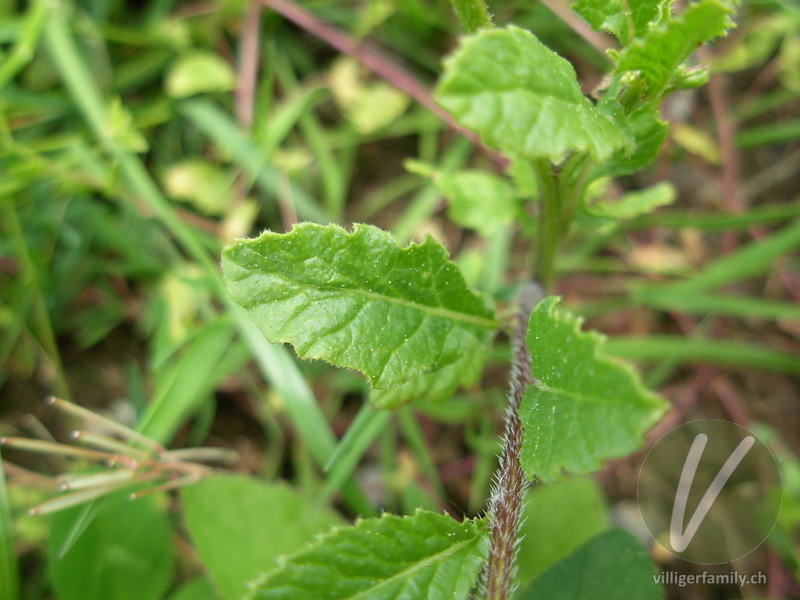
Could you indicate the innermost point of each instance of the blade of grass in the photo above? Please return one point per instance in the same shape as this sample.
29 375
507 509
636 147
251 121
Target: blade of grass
275 363
712 304
750 260
334 173
286 116
188 383
415 439
30 278
362 432
774 133
9 570
224 132
756 215
23 51
486 455
688 350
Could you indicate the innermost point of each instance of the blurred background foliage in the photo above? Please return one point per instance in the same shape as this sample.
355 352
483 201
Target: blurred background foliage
138 138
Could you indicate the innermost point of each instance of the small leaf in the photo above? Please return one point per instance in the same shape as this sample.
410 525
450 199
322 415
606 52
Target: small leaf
626 19
119 127
613 564
125 552
359 300
240 526
427 555
522 97
202 183
478 200
658 56
199 72
649 133
634 204
584 407
369 106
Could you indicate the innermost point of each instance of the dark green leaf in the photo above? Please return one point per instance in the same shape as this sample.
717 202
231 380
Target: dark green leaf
613 564
558 518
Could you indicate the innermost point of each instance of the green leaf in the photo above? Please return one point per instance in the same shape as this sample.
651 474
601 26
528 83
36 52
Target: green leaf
634 204
613 564
522 97
359 300
657 57
197 589
472 14
437 386
584 407
558 518
479 200
649 133
125 552
240 526
427 556
199 72
369 106
201 183
626 19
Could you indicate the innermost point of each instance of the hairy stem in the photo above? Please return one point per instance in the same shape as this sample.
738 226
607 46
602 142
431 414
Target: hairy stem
505 511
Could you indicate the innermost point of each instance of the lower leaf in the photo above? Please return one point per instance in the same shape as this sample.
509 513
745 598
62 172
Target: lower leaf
426 556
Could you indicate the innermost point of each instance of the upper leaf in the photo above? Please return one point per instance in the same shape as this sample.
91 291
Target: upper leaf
626 19
423 557
584 407
657 57
359 300
522 97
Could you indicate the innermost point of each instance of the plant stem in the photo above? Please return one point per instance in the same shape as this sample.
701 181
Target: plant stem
472 14
549 223
505 511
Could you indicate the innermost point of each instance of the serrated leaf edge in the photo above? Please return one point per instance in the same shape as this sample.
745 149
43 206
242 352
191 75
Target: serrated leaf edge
598 340
284 560
428 242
